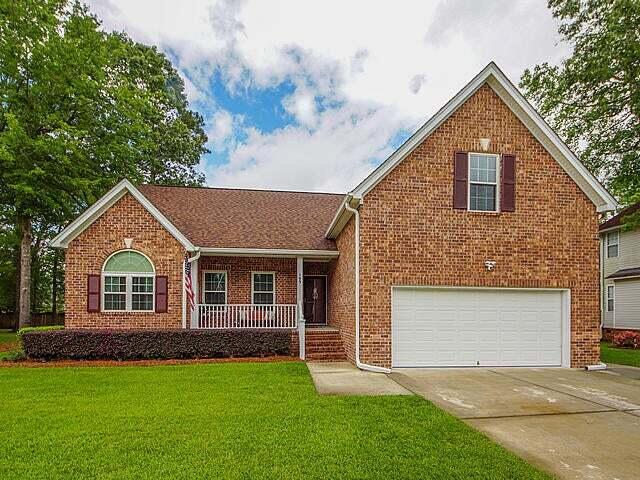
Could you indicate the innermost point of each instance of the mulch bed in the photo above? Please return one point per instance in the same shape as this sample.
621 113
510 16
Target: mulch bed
139 363
6 347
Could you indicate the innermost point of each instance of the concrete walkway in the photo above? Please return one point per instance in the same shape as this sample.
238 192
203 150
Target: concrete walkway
572 423
343 378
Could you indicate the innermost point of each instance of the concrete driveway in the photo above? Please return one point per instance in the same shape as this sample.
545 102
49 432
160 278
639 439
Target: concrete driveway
572 423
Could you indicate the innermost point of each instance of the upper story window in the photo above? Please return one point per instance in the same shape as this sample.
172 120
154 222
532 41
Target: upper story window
128 279
613 244
483 182
215 288
263 288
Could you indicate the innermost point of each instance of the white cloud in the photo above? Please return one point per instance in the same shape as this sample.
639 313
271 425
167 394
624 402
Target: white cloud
221 131
338 153
397 62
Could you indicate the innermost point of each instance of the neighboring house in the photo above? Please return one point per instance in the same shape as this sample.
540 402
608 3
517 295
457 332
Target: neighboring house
620 253
475 243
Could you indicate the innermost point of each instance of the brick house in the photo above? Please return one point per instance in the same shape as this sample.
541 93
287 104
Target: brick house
475 243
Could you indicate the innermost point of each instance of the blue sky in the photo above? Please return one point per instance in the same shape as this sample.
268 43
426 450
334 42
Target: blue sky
313 95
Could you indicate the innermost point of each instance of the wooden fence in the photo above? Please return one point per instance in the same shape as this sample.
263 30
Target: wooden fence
10 320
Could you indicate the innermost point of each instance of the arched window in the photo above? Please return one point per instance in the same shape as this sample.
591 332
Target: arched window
128 279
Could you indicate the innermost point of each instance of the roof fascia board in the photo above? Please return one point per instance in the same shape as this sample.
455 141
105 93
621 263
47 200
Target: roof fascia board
90 215
629 277
268 252
610 229
342 215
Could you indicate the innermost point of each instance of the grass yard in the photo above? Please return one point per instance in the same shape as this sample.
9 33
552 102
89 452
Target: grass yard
8 343
228 420
8 340
621 356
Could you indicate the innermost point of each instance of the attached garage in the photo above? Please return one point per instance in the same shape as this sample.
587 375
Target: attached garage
464 327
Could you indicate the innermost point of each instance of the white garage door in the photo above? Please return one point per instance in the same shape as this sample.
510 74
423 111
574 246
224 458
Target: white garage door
486 327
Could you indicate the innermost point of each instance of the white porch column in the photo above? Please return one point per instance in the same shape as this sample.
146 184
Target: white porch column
300 290
195 284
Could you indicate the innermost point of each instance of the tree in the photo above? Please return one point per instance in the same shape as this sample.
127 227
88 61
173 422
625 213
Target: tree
593 98
80 109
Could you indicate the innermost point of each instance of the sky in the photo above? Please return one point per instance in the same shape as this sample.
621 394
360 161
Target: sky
312 95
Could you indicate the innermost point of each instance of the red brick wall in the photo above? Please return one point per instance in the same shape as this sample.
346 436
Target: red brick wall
316 268
239 276
411 235
87 253
341 289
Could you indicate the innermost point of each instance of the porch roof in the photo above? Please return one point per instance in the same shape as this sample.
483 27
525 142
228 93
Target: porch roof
250 219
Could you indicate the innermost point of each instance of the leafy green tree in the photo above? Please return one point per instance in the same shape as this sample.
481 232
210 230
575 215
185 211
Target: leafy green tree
81 108
593 98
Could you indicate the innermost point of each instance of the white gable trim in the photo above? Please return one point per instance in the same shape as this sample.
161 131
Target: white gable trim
497 80
81 223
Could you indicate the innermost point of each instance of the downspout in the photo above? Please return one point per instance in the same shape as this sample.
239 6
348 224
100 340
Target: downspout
359 364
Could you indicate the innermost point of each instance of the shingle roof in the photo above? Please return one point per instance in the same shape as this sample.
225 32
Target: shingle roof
626 272
616 220
234 218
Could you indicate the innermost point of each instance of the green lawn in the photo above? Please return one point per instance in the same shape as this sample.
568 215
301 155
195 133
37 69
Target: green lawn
7 339
228 420
8 343
621 356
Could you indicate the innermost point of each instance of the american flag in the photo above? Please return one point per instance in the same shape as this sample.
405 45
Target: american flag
187 283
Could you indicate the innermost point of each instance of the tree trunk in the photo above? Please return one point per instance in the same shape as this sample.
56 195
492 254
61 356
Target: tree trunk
54 289
16 299
24 302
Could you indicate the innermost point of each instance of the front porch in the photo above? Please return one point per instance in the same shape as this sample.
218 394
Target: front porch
266 292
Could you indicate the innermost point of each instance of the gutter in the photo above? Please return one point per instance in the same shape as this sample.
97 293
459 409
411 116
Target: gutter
359 364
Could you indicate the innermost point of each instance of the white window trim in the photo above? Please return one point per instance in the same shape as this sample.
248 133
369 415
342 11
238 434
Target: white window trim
496 183
129 284
129 291
204 286
607 244
611 297
253 274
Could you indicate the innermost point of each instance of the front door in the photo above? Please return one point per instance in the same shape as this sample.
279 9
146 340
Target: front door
315 300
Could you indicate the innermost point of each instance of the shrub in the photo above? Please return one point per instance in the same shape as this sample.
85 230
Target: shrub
154 344
627 339
47 328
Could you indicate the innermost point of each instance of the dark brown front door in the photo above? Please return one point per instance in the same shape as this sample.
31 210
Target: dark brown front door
315 300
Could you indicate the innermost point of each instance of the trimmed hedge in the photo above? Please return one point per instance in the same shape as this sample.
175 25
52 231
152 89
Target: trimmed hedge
154 344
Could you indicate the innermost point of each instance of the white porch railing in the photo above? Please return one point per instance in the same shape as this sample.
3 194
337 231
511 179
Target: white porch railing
247 316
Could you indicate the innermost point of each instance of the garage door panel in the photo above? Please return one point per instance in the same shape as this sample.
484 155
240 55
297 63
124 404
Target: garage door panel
464 327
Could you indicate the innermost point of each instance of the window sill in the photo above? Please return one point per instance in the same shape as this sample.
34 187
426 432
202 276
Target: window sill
483 212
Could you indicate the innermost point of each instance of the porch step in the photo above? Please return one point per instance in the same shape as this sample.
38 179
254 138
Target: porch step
324 344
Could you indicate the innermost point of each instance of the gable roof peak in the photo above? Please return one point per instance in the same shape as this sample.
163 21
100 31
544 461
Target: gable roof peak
492 75
123 187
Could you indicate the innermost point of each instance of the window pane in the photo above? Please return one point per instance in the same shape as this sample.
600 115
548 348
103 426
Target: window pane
483 197
612 251
128 261
142 301
215 282
483 168
115 301
115 284
263 282
263 298
214 298
142 284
